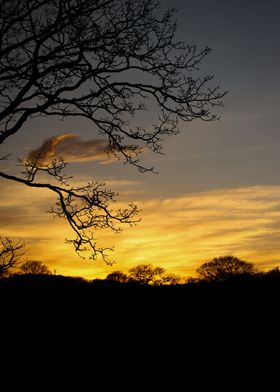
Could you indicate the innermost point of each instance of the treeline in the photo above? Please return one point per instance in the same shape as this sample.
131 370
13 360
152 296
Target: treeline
221 273
221 269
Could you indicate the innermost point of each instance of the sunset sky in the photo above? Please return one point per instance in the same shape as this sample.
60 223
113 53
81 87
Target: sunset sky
217 191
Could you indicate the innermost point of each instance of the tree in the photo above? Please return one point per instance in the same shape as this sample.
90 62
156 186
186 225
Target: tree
10 255
148 274
34 267
117 276
224 268
105 61
273 273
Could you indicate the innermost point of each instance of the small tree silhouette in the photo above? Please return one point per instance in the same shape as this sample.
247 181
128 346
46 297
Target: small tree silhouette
273 274
224 268
148 274
34 267
10 255
117 276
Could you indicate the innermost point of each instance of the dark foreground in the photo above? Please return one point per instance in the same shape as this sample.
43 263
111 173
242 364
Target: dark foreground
186 324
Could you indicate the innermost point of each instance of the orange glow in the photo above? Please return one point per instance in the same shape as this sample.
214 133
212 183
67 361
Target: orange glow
178 233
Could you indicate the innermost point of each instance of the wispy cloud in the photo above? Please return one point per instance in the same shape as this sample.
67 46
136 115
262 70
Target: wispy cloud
232 152
71 148
178 233
252 150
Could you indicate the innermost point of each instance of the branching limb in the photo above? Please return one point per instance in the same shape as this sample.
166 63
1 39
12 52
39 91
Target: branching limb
106 61
86 208
103 60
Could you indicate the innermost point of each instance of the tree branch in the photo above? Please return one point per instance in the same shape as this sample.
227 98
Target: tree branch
107 61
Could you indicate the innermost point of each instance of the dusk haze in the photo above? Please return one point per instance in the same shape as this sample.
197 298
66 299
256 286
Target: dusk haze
215 189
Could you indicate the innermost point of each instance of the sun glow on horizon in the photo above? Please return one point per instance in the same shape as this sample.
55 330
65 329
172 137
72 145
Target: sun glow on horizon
177 233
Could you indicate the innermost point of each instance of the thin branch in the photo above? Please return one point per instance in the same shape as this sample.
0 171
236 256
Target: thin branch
105 61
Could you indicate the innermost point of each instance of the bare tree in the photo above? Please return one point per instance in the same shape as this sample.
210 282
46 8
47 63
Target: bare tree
10 255
34 267
105 61
224 268
166 278
148 274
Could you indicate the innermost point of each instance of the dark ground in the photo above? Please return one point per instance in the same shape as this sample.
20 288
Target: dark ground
119 325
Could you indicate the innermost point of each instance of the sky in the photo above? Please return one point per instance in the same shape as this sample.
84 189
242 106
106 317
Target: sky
217 191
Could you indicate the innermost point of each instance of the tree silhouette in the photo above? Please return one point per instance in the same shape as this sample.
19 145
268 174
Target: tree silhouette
34 267
273 274
117 276
148 274
10 255
105 61
224 268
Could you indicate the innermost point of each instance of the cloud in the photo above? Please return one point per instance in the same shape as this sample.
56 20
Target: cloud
180 233
71 148
229 153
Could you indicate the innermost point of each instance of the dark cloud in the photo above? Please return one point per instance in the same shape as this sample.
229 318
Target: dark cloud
71 148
